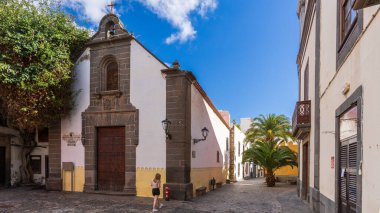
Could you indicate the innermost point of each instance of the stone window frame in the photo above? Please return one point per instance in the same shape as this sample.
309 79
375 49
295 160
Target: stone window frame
356 99
345 43
105 62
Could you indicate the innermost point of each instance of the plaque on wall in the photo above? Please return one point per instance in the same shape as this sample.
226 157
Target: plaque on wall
71 138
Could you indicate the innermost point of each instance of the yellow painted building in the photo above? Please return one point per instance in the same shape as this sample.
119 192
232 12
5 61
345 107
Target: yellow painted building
288 170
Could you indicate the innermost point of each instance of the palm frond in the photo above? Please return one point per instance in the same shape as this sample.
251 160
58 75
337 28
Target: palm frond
270 155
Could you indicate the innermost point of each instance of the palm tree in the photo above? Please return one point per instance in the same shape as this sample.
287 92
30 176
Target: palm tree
269 128
271 156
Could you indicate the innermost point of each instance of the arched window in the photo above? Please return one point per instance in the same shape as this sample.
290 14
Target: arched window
112 76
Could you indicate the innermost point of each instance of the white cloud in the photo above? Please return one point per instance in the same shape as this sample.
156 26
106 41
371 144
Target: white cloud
93 10
177 13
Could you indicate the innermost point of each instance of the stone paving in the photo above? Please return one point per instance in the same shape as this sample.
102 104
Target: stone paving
246 196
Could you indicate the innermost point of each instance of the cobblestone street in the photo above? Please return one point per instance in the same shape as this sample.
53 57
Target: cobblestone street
246 196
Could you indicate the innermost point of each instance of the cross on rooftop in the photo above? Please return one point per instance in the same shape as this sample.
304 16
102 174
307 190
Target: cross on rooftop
111 5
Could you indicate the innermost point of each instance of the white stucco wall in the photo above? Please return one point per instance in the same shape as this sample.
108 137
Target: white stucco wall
148 95
73 122
202 115
309 60
15 160
238 158
361 68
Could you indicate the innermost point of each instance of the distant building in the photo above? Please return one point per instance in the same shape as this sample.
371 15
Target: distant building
245 124
226 116
240 170
284 173
288 173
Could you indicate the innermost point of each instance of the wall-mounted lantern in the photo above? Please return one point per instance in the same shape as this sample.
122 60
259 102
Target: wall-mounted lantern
204 134
165 125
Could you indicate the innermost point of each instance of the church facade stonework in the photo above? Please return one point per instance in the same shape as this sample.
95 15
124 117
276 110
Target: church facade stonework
110 107
125 94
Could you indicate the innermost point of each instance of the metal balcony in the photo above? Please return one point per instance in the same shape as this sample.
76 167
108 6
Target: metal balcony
302 119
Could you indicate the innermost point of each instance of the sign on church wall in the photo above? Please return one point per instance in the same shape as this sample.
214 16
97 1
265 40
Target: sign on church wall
71 138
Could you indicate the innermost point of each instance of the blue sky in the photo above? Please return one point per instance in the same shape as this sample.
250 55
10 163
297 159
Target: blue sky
243 52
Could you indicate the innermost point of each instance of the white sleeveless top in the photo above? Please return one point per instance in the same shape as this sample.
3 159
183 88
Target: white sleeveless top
155 184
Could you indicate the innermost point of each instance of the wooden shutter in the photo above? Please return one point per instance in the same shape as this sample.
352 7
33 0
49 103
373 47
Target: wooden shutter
348 174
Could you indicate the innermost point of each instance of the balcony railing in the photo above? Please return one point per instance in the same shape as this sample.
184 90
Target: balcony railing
301 119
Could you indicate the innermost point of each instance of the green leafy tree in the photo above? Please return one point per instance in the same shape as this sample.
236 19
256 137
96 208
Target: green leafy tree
269 128
271 156
265 135
38 48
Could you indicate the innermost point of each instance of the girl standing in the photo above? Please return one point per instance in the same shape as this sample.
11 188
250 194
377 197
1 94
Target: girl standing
156 184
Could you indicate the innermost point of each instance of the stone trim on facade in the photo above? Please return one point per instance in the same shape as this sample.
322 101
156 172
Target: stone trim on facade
110 108
344 48
354 99
178 148
200 90
306 29
232 154
54 182
92 121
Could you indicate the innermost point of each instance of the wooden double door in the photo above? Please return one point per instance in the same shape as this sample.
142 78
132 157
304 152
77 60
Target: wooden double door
111 158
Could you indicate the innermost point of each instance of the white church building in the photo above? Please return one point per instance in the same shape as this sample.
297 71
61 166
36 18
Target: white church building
134 117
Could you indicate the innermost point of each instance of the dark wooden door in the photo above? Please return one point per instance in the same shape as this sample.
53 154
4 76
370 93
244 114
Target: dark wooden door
305 171
2 165
111 158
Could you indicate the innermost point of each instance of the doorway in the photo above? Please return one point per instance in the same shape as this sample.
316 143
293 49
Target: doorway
305 171
348 160
111 158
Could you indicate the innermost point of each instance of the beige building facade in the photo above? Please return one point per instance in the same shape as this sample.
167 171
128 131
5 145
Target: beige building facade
336 119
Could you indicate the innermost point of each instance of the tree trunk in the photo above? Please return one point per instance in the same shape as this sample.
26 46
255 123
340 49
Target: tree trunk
28 145
270 179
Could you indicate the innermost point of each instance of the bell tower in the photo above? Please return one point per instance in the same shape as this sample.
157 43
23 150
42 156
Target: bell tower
110 111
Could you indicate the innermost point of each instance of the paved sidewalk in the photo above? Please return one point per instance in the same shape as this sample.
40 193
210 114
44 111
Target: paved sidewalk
246 196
